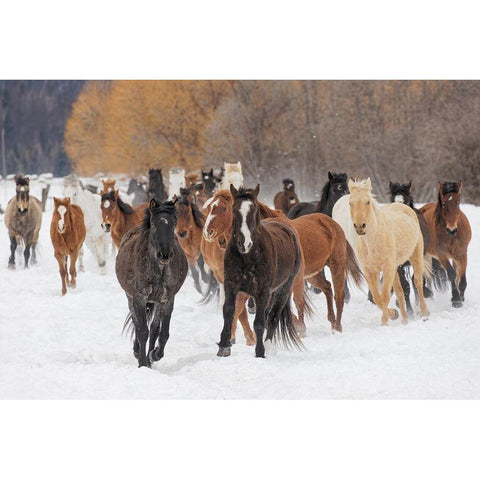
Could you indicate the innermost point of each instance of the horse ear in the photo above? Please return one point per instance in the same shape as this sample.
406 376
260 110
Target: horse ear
233 190
174 198
440 186
115 194
153 204
460 183
368 184
27 180
55 201
211 172
66 200
409 184
390 184
330 176
351 185
257 189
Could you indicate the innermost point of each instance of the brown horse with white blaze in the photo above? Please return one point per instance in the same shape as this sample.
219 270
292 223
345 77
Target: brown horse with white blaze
119 217
450 234
67 232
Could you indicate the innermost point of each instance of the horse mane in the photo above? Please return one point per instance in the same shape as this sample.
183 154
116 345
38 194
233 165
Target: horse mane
397 189
165 207
224 195
124 207
20 180
267 212
325 195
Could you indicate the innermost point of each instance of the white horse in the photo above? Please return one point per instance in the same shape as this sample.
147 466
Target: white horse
232 176
176 180
97 241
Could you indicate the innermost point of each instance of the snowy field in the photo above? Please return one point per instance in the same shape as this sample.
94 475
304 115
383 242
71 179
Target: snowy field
72 347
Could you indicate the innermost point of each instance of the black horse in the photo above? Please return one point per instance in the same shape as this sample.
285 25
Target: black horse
156 189
138 190
211 181
402 193
151 267
261 260
335 188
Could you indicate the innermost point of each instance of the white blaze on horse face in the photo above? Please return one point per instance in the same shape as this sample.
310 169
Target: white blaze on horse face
247 236
399 198
61 223
106 203
208 220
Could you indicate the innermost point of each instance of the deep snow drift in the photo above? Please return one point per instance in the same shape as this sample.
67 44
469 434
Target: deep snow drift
72 347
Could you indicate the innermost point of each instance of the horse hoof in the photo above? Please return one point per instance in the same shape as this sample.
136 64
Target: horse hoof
457 303
233 341
224 352
425 319
11 266
393 314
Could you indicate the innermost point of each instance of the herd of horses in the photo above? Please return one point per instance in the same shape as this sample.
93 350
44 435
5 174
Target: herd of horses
253 257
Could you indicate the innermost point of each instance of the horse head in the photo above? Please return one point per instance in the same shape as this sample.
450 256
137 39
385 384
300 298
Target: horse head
23 193
108 185
161 221
209 180
401 193
245 217
219 217
288 185
448 206
188 216
361 203
109 210
61 207
338 185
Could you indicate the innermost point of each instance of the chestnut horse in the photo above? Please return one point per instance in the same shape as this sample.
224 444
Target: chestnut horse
189 228
450 234
262 260
67 231
108 185
119 217
386 237
23 219
286 199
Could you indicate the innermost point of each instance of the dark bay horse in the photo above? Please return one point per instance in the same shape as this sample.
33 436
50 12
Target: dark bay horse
23 219
67 232
211 182
287 198
156 188
334 188
401 193
262 259
450 234
119 217
151 267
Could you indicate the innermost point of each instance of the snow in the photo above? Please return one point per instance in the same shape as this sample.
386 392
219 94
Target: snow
71 347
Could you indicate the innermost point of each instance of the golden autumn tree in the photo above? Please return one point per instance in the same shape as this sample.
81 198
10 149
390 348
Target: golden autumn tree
84 137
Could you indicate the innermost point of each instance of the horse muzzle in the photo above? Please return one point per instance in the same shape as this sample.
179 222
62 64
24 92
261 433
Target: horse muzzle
209 236
22 211
244 249
106 227
361 229
61 231
452 231
164 258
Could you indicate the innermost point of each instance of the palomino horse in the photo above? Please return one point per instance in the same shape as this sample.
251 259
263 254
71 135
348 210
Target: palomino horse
450 234
286 199
23 219
191 178
151 267
387 236
119 217
96 239
262 259
67 232
335 188
401 193
189 235
156 189
232 175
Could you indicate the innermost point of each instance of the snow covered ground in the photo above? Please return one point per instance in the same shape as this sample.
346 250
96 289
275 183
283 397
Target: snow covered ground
72 347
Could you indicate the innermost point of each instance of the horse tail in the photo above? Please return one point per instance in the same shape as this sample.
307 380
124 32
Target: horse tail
212 292
435 272
286 329
352 267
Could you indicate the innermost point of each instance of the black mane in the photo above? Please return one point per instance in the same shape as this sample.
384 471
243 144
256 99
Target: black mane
245 193
450 187
401 189
332 178
124 207
24 181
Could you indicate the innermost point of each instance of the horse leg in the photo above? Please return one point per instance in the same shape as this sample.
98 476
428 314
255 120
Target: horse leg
319 280
388 278
26 252
201 267
154 329
13 247
80 260
416 261
196 277
405 284
225 345
373 282
73 270
141 330
63 272
339 282
347 294
261 301
461 279
136 345
452 277
251 305
101 250
298 289
165 313
400 294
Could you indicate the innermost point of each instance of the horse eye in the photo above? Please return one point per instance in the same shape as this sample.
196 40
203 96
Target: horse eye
368 203
224 209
